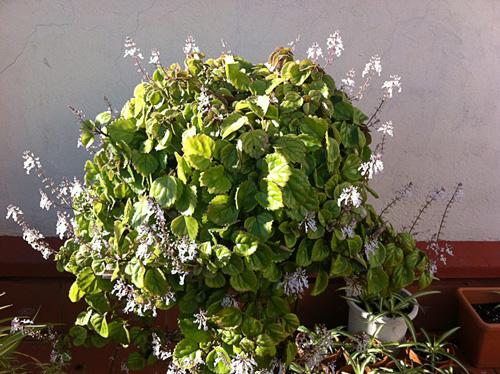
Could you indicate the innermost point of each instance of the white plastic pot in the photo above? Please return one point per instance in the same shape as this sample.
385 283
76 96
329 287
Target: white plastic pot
393 329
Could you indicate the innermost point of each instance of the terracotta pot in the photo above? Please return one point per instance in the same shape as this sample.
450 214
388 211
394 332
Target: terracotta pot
420 360
480 340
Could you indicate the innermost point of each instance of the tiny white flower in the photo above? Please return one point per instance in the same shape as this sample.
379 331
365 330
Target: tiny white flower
155 57
201 320
309 223
372 67
387 128
372 167
350 196
334 43
229 300
14 212
131 50
243 364
45 201
348 231
349 81
314 52
389 86
31 162
294 283
190 46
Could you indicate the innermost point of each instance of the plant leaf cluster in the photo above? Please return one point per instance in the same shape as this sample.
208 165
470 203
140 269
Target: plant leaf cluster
247 162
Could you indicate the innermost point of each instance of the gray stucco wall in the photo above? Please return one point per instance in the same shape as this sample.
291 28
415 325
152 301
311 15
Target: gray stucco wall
446 120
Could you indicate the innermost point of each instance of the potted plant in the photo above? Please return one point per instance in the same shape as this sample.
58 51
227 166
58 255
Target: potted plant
432 351
480 339
219 189
365 353
318 349
388 317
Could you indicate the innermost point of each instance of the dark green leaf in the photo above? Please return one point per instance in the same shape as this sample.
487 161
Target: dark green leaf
185 226
155 282
254 142
145 164
222 210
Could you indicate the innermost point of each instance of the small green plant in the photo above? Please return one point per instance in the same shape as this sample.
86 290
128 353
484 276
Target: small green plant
318 349
393 306
497 292
363 350
431 349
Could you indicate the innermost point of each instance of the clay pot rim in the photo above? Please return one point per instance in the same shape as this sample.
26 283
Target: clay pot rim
467 304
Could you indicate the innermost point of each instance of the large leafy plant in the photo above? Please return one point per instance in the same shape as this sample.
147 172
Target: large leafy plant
220 189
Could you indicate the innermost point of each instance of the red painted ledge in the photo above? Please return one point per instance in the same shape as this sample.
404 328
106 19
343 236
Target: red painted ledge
478 259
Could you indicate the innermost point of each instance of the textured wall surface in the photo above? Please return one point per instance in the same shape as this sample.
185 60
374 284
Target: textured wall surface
446 119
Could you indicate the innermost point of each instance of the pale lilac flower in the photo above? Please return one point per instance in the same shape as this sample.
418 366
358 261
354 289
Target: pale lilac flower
45 201
459 194
391 85
370 247
436 193
19 325
350 196
204 104
431 267
348 231
221 357
14 212
31 235
309 223
35 239
349 81
56 357
439 251
190 46
334 43
186 250
294 283
158 352
131 50
372 67
405 193
124 367
201 320
372 167
63 225
277 364
174 368
363 343
31 162
314 52
387 128
75 189
136 303
243 364
155 57
229 300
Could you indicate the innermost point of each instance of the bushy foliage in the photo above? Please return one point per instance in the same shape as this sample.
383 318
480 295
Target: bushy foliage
221 190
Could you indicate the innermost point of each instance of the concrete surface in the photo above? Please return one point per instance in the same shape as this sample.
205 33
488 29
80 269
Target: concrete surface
56 53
